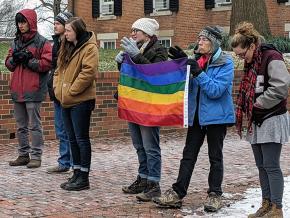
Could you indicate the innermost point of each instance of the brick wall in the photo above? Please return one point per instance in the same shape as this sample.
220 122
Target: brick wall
186 24
104 121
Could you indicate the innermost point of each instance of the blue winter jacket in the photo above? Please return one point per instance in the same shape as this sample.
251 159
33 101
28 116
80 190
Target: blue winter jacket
215 100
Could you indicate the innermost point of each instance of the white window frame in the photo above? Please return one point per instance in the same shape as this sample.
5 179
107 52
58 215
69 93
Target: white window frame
163 38
160 9
223 3
287 3
103 41
103 5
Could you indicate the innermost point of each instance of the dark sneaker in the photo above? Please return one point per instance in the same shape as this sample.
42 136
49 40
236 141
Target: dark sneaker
152 191
81 183
34 163
20 161
136 187
71 179
169 199
57 169
214 202
265 208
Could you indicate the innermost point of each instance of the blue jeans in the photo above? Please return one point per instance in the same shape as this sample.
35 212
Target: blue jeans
65 159
77 125
146 142
267 157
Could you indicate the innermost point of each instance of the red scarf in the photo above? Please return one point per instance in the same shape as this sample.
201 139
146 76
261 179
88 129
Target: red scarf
246 96
203 60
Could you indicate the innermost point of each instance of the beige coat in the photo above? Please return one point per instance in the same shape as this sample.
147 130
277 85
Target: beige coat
76 83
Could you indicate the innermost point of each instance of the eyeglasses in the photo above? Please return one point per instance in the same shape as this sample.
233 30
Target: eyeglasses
135 31
243 55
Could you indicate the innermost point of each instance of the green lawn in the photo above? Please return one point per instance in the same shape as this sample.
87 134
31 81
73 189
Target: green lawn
4 46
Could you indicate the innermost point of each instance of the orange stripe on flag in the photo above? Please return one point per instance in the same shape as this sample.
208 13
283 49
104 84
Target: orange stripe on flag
153 109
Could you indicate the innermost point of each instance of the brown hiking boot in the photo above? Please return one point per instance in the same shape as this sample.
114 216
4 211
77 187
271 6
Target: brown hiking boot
169 199
57 169
214 202
152 191
34 163
274 212
20 161
265 208
136 187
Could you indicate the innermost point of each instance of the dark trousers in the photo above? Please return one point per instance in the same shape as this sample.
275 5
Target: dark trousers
194 140
267 157
77 125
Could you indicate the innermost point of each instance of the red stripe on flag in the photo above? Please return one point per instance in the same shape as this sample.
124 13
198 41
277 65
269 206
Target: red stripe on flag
150 120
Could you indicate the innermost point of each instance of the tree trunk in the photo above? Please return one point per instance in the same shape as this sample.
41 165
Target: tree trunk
253 11
56 7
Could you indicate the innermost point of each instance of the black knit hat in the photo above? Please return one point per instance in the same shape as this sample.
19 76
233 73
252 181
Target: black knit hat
63 17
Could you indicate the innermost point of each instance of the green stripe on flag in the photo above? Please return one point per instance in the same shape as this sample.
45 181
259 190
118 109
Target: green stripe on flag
144 86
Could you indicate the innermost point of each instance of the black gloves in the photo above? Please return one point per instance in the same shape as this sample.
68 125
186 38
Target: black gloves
176 52
195 70
22 56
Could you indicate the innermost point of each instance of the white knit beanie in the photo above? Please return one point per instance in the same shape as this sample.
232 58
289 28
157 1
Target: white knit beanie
147 25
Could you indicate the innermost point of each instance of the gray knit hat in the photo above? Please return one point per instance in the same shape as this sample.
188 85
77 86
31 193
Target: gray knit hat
214 34
63 17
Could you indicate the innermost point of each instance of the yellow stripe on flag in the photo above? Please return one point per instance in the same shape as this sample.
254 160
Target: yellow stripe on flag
149 97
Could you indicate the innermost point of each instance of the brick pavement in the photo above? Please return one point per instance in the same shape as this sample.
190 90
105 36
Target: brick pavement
34 193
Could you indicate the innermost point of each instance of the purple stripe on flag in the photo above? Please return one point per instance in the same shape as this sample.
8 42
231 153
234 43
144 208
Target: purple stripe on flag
158 68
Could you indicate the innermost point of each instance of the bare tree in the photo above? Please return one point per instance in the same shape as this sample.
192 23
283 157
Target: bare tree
253 11
8 10
47 11
55 6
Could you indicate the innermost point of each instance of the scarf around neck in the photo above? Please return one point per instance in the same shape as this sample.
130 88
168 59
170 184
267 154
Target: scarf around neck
246 95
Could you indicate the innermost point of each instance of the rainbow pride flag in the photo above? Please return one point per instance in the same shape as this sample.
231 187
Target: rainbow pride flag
154 94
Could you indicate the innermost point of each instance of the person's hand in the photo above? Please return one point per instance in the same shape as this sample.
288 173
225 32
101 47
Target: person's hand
130 46
17 57
176 52
119 57
22 56
195 70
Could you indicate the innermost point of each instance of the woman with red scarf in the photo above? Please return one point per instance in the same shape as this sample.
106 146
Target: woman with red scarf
263 99
211 111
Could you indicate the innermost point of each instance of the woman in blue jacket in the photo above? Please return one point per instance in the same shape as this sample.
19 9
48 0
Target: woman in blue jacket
211 111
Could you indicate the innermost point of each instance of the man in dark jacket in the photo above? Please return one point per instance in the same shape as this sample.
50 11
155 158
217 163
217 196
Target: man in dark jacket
64 160
29 59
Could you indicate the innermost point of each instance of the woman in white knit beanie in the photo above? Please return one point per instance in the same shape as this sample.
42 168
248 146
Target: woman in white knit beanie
144 48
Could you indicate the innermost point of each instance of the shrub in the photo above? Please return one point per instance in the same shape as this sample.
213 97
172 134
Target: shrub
280 42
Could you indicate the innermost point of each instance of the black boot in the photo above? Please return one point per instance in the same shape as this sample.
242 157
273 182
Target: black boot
20 161
136 187
152 191
71 179
81 182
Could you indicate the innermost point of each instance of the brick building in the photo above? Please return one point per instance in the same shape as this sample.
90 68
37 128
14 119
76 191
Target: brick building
180 20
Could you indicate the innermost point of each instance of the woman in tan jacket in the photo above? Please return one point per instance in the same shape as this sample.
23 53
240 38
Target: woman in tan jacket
75 88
